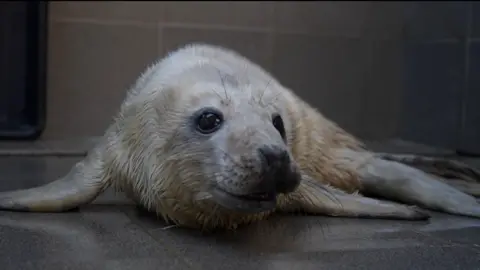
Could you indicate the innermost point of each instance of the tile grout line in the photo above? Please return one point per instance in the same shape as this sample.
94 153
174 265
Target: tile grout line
465 93
198 26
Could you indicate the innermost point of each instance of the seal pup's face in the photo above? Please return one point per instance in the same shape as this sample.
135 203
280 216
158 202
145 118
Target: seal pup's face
241 135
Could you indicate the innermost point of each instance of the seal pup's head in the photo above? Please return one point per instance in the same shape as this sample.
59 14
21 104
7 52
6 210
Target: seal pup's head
228 144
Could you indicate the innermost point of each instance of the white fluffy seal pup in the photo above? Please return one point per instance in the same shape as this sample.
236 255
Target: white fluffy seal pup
208 139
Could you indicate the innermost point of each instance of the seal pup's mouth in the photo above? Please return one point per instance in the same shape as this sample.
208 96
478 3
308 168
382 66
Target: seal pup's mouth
251 203
261 196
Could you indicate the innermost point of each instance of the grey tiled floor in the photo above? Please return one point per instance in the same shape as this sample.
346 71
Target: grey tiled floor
113 234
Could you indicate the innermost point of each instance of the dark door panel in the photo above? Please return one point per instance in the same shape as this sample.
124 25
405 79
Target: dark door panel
23 28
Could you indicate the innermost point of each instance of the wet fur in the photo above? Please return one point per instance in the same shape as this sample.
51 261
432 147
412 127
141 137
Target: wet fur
142 154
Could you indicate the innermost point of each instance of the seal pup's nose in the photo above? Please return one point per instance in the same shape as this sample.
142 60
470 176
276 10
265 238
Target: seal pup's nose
278 173
273 157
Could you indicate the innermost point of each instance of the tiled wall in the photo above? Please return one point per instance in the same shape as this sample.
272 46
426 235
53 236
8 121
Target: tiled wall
346 58
442 89
470 139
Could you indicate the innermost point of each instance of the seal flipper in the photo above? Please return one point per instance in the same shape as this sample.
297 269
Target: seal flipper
313 197
397 181
452 172
442 167
472 189
81 185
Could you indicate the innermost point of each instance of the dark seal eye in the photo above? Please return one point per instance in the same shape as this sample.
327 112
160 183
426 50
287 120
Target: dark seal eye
278 124
209 121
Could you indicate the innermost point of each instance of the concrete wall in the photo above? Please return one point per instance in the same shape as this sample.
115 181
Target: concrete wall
346 58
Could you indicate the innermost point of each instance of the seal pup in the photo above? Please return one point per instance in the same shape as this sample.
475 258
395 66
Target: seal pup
208 139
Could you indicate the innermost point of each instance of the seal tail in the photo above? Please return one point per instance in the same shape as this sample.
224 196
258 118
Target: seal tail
81 185
454 173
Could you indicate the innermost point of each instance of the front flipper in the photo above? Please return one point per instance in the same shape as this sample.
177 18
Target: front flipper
81 185
313 197
396 181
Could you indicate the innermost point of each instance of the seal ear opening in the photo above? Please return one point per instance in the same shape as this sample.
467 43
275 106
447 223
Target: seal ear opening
74 189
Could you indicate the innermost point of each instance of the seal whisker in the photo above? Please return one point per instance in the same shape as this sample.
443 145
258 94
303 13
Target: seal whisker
218 94
264 90
170 227
223 85
212 215
274 99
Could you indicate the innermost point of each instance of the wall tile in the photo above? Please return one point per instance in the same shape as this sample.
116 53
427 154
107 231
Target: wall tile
227 13
91 66
385 19
382 98
141 11
356 82
330 18
433 91
436 20
253 45
470 135
475 32
327 72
